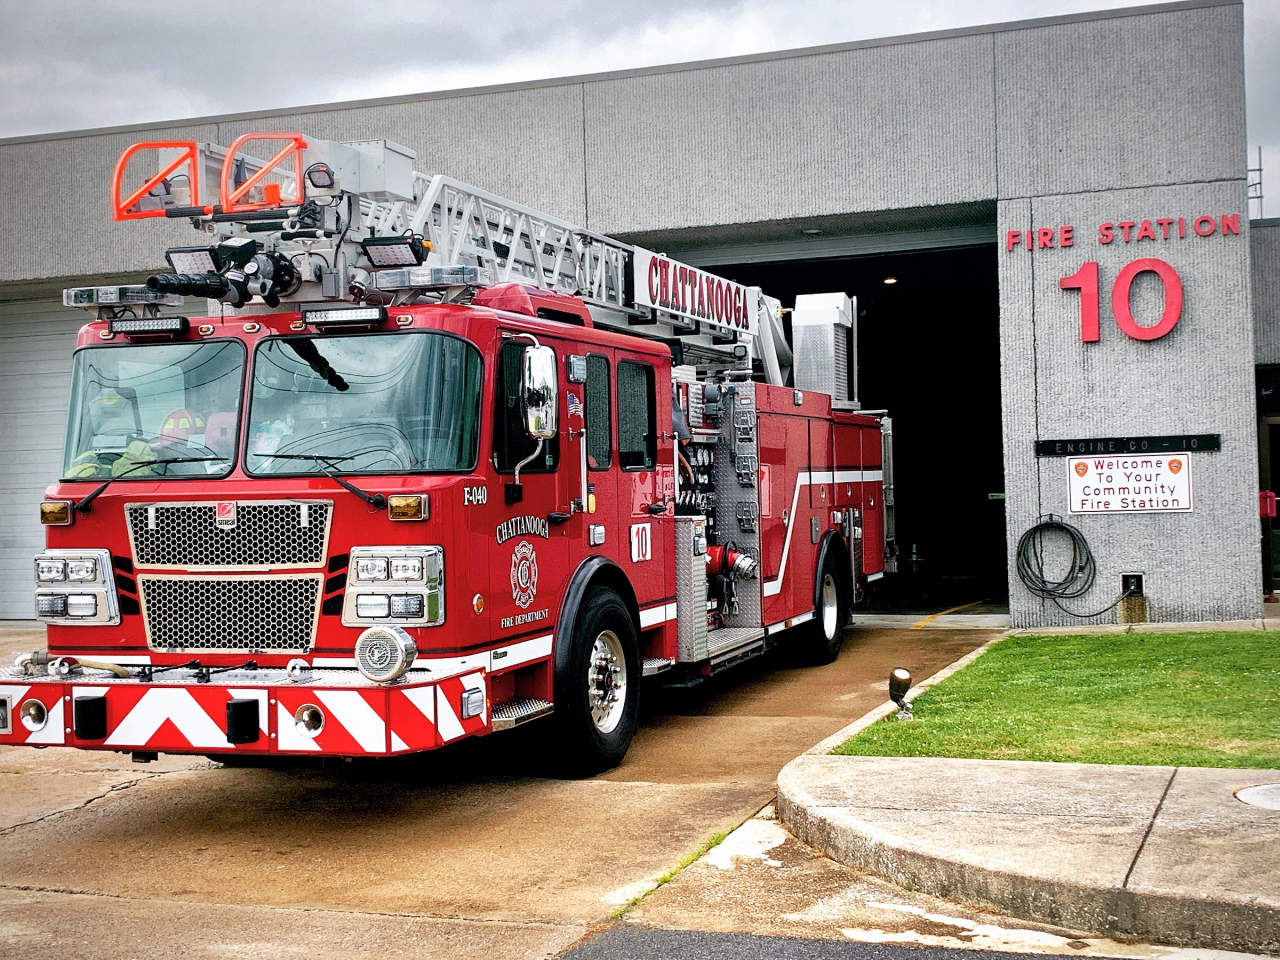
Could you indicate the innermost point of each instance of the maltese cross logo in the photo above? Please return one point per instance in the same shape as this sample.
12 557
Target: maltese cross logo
524 574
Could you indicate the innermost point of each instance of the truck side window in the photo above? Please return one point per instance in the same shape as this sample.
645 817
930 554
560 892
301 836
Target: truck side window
511 443
637 428
599 429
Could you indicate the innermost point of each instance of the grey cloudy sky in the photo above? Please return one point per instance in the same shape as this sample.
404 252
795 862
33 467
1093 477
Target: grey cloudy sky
71 64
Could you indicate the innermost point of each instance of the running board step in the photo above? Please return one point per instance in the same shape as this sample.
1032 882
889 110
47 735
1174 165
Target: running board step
732 643
654 665
515 712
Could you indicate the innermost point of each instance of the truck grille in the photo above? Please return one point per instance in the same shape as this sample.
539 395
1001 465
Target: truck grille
231 614
277 533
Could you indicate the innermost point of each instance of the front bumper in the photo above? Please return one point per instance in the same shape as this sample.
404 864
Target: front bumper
174 713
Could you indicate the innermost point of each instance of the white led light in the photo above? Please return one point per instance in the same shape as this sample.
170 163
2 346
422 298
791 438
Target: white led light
373 606
434 277
51 571
82 571
51 605
406 568
371 568
199 260
352 315
132 293
391 255
408 605
82 605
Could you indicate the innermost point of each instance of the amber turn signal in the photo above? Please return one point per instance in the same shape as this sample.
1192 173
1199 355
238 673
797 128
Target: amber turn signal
56 513
408 507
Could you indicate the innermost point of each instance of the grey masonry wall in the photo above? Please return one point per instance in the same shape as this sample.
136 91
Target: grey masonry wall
1119 115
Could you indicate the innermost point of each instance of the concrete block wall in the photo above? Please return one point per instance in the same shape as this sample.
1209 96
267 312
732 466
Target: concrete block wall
1106 131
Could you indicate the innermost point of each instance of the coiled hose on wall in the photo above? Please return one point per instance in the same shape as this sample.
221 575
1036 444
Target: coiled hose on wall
1080 575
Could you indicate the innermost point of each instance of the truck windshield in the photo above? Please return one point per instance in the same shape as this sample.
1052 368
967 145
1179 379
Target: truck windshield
364 403
177 403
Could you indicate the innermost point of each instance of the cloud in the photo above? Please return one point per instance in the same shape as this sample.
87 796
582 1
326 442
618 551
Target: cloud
78 64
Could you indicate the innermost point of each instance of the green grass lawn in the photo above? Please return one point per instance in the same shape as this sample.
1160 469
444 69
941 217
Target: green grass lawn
1186 699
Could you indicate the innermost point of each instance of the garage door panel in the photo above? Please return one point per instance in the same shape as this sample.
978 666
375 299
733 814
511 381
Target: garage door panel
37 339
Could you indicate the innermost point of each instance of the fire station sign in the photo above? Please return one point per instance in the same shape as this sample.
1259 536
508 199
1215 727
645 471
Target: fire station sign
1146 483
688 292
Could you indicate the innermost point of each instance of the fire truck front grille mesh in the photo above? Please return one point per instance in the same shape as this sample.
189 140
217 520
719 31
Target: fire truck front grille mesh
231 614
265 534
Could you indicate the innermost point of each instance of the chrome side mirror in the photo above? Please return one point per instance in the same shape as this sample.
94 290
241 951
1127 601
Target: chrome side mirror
538 392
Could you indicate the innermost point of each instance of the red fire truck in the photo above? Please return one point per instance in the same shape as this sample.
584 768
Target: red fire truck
434 465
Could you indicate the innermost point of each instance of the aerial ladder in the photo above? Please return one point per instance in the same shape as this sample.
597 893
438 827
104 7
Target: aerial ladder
354 222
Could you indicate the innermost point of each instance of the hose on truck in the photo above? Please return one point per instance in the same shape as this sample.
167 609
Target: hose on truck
1080 575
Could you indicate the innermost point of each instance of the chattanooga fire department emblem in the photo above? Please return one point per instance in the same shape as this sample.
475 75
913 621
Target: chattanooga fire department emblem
524 574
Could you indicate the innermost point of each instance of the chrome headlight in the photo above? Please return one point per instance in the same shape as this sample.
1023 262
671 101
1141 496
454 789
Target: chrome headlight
401 586
384 654
76 587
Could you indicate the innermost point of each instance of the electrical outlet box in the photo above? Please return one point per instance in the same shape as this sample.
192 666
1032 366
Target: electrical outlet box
1131 583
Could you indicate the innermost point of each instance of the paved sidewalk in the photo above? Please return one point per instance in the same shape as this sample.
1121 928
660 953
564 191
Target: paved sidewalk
1158 853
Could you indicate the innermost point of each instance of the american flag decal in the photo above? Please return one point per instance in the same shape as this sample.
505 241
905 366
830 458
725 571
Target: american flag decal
575 405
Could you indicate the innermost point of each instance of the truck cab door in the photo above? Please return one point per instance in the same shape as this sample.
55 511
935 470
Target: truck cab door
646 477
528 566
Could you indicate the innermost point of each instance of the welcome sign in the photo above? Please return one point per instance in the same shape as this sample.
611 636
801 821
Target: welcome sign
1135 484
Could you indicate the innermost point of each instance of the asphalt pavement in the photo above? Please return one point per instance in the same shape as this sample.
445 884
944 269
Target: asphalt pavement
623 942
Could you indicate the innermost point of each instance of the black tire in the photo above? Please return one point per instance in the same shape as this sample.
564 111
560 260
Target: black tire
595 740
830 614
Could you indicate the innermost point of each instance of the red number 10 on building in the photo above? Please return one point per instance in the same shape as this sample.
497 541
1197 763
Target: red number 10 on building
1087 282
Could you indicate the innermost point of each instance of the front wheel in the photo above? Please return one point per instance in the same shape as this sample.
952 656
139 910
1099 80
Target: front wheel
830 614
598 693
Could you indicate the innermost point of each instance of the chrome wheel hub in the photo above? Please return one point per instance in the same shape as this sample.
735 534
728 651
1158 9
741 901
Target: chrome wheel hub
607 681
830 606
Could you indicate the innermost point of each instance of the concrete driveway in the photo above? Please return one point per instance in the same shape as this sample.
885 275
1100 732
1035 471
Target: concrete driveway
471 851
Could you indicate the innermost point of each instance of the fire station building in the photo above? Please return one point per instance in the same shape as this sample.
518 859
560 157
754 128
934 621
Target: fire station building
1061 298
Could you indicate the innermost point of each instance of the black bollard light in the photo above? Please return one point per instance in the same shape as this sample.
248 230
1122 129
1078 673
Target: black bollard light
899 684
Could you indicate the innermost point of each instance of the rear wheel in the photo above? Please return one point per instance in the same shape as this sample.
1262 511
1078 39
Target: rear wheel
598 694
830 615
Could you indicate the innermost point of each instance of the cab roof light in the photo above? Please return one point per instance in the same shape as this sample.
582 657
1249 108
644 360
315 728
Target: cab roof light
192 259
402 251
427 278
150 326
344 316
131 294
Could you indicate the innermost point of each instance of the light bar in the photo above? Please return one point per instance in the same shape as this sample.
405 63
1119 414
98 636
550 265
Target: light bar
343 316
116 296
426 278
192 259
394 251
150 326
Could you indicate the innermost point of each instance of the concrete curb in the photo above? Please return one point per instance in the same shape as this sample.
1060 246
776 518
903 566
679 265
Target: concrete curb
1221 923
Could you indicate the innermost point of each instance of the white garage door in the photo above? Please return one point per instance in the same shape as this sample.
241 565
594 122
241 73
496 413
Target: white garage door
37 338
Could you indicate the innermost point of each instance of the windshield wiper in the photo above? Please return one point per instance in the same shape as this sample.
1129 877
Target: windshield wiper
86 505
375 500
310 355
